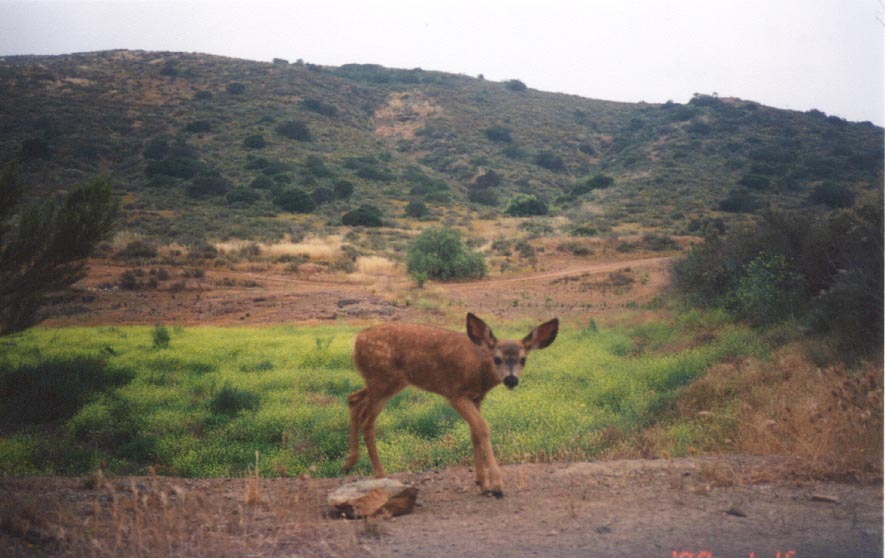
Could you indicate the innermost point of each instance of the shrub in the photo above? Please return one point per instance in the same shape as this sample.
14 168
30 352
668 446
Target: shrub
483 197
524 205
137 250
767 291
755 181
208 184
739 200
294 129
489 179
235 88
262 182
198 127
203 95
157 148
500 134
315 166
160 337
255 141
319 107
294 200
598 182
322 195
229 401
363 216
246 196
438 253
515 85
343 189
550 161
416 209
831 195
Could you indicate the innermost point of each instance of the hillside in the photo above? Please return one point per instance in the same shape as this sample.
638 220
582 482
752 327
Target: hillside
211 148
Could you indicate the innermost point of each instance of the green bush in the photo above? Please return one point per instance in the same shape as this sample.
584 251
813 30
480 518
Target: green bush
294 200
319 107
244 196
438 253
515 85
767 291
550 161
255 141
416 209
160 337
229 401
198 127
500 134
322 195
262 182
363 216
294 129
598 182
208 184
343 189
524 205
235 88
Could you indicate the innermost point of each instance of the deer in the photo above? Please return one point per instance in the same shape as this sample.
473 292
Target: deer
461 368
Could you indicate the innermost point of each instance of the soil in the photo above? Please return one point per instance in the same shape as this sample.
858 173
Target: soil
727 506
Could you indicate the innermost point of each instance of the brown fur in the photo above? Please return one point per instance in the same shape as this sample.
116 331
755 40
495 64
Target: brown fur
461 368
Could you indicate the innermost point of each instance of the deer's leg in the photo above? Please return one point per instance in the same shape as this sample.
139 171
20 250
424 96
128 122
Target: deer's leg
357 403
479 431
479 468
375 400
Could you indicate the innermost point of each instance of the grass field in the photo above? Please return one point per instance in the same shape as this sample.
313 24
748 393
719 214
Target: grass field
201 401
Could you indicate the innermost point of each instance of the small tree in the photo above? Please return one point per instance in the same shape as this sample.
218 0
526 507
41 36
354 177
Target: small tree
364 216
523 205
294 129
440 254
294 200
43 247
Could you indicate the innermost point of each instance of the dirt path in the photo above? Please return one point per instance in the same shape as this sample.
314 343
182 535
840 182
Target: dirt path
723 507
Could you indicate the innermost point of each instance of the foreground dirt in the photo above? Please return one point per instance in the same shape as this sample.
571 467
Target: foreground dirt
729 506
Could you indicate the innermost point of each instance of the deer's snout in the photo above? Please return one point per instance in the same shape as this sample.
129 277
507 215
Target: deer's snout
511 381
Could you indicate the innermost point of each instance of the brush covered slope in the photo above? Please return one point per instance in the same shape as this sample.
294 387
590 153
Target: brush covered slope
203 147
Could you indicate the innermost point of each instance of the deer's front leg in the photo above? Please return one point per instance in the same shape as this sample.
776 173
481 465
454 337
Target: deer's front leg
479 435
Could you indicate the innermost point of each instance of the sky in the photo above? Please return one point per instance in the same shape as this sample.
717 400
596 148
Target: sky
795 54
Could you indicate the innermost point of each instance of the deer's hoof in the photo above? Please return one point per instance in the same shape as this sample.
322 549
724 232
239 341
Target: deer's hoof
497 493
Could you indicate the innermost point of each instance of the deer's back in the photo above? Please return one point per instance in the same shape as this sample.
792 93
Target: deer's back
434 359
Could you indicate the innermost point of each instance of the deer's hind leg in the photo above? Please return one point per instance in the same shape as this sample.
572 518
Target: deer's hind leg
357 404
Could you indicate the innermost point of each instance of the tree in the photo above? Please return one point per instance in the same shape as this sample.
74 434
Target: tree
438 253
524 205
43 247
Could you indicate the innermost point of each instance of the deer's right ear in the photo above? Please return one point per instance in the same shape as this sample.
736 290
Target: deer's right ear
479 332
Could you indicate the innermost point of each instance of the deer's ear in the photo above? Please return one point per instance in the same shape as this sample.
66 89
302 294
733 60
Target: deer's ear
479 332
542 336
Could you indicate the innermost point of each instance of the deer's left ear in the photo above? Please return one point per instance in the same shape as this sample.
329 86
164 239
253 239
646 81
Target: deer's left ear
542 336
479 332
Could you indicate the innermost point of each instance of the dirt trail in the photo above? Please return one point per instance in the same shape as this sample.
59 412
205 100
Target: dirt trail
722 507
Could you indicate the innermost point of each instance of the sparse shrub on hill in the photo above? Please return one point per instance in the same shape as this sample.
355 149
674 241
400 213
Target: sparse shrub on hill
294 200
524 205
598 182
343 189
515 85
294 129
550 161
255 141
416 209
438 253
208 184
500 134
363 216
319 107
235 88
322 195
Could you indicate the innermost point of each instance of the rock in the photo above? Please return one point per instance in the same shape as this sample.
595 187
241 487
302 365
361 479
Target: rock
372 497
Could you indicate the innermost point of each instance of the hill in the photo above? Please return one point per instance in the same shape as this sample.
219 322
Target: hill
210 148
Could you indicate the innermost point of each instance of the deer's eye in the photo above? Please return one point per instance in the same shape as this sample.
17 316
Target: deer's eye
522 361
498 361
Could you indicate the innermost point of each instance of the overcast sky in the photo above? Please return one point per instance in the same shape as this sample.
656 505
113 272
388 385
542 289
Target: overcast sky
796 54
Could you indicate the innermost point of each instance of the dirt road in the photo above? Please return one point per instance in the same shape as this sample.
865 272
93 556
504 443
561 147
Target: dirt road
723 507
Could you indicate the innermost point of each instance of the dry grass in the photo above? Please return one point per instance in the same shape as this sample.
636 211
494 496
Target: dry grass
315 248
146 517
829 419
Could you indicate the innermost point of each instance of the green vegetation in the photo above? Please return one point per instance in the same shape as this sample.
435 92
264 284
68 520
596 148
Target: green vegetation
822 269
43 247
440 254
71 398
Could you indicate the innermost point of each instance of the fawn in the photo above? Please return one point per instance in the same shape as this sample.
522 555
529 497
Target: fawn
461 368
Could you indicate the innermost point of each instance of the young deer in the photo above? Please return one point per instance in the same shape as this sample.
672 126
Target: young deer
461 368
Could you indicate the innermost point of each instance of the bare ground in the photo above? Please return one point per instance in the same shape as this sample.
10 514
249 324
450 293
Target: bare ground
727 506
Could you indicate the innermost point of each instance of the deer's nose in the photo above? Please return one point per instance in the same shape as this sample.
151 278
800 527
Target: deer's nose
511 381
